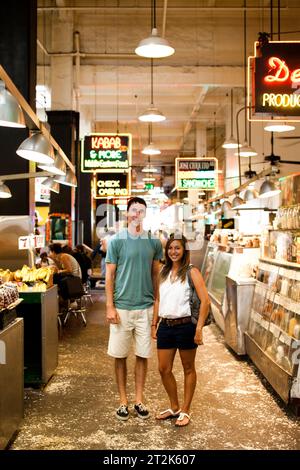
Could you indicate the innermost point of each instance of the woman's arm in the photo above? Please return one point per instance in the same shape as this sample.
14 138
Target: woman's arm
204 306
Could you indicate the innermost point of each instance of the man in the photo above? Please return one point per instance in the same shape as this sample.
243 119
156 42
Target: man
132 267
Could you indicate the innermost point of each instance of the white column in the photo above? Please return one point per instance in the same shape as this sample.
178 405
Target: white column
62 66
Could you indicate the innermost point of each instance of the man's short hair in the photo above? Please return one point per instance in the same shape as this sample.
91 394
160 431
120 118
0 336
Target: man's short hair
135 200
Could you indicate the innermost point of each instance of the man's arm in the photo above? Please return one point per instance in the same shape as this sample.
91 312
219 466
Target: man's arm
156 265
111 312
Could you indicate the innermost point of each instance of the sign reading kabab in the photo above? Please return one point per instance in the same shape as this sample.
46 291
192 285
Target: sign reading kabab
106 153
196 173
111 185
274 85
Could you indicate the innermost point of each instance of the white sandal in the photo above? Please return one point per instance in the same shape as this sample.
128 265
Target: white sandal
181 418
172 414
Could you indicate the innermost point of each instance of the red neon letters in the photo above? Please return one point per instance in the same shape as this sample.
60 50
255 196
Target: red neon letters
106 142
282 72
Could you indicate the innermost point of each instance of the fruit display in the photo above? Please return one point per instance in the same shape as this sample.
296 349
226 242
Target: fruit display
40 278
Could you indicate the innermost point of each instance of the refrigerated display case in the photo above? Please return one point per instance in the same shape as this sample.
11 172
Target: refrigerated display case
239 294
11 380
237 262
216 285
39 311
273 336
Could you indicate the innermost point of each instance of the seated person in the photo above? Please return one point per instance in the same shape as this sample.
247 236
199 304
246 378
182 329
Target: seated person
65 263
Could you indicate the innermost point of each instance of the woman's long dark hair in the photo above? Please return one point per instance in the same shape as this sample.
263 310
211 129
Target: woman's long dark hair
185 260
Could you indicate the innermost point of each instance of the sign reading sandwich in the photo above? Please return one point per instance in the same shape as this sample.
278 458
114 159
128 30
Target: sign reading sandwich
105 153
196 173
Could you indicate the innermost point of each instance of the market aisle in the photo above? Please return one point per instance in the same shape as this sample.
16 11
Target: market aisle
231 409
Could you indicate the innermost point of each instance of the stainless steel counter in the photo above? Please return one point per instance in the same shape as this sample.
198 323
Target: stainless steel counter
11 380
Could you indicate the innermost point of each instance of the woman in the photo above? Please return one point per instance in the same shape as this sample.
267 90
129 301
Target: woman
176 330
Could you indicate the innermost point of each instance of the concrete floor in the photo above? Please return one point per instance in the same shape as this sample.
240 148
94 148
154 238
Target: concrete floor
233 407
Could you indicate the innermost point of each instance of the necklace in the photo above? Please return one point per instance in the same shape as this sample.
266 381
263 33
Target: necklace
173 277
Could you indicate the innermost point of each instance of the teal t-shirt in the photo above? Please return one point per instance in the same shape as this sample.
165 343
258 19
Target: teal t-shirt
133 257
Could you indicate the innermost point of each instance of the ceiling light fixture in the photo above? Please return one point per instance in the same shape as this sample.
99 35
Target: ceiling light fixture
250 194
247 151
58 167
11 114
268 189
152 114
277 126
226 206
37 148
4 191
148 179
231 143
154 46
237 202
69 179
51 184
149 169
150 149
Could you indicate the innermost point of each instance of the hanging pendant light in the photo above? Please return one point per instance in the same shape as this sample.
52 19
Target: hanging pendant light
69 179
4 191
268 189
151 149
152 114
231 143
277 126
247 150
237 202
37 148
226 206
154 46
11 114
149 169
58 167
51 184
250 194
148 179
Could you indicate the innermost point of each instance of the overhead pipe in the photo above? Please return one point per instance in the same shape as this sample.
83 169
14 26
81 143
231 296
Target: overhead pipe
87 54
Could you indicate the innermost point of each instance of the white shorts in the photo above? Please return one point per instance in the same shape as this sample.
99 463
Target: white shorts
134 324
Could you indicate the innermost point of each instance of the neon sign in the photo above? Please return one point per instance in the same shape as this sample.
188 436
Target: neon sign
196 173
111 185
282 72
106 152
274 81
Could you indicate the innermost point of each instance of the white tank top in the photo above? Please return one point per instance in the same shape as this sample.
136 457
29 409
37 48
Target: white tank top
174 298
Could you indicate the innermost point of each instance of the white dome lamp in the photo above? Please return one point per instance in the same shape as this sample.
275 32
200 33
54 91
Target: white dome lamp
11 114
37 148
268 189
276 125
237 202
152 113
4 191
154 47
231 143
250 194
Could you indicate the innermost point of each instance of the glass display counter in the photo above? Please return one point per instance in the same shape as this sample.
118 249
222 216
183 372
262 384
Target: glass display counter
220 261
39 311
273 336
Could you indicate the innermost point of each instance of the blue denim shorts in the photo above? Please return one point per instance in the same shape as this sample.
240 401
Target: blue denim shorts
176 337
